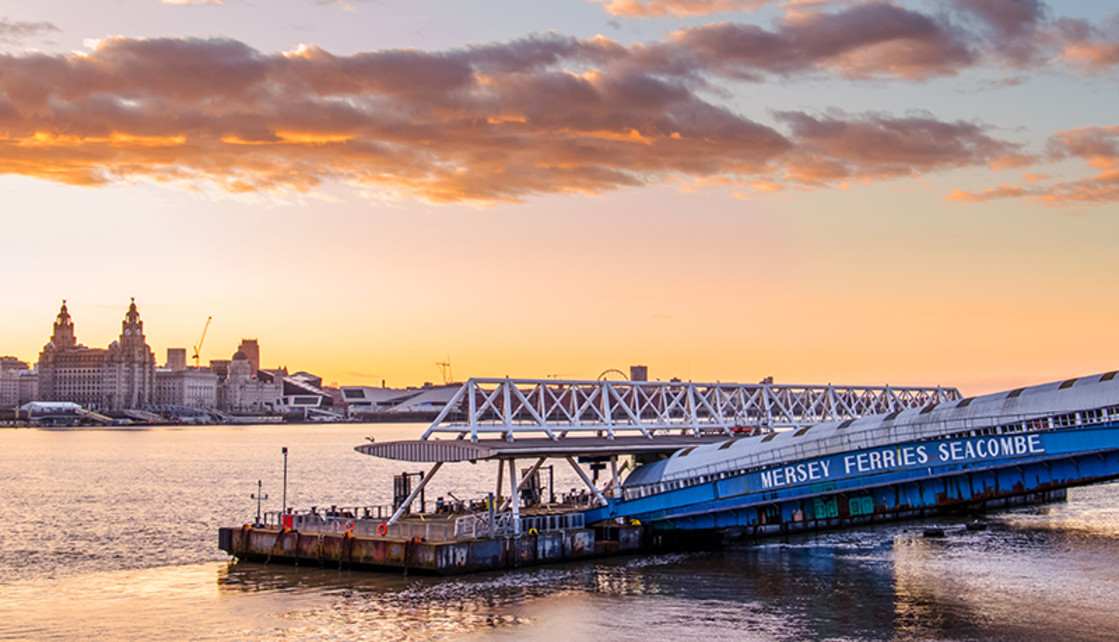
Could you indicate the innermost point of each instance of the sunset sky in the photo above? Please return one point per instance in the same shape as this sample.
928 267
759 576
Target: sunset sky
821 191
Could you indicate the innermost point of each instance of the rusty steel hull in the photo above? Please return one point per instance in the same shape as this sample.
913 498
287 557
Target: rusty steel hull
415 556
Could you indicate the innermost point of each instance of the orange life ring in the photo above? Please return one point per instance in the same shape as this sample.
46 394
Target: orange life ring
383 529
350 527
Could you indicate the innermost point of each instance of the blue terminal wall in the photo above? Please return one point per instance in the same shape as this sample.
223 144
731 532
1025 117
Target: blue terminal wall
899 481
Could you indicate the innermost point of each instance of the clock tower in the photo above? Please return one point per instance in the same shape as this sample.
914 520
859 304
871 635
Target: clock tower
130 367
132 332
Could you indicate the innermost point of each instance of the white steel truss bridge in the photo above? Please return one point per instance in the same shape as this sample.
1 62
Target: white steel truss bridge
508 409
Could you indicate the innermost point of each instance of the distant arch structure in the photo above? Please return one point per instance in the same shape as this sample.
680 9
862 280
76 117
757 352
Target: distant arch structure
605 376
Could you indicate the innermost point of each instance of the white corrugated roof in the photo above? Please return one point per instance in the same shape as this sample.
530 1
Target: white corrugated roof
1094 391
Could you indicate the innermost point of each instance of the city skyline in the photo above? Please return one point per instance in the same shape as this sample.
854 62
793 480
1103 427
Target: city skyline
911 193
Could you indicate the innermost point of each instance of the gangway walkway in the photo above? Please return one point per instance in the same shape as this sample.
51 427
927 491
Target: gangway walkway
513 408
510 419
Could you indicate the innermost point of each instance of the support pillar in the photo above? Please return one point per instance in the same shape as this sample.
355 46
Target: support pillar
415 493
500 481
514 498
617 487
521 485
587 480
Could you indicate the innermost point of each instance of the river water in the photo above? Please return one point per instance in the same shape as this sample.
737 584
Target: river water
113 535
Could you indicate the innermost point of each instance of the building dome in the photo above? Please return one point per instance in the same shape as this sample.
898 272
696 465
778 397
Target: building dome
240 356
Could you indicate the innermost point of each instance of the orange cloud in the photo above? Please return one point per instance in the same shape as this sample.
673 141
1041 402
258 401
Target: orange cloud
677 8
1098 147
865 40
1094 55
1002 191
875 38
1097 190
840 146
487 123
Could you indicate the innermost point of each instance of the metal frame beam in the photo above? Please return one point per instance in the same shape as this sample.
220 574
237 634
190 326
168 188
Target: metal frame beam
587 480
414 494
509 408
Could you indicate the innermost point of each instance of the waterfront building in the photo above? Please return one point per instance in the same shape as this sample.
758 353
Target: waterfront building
11 371
28 386
242 393
220 367
251 348
369 399
427 400
423 403
117 378
193 388
176 359
304 390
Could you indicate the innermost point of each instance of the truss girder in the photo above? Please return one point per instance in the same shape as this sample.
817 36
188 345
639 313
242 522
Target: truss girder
555 408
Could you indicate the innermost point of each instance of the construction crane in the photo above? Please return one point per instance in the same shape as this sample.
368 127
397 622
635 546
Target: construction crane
198 348
445 370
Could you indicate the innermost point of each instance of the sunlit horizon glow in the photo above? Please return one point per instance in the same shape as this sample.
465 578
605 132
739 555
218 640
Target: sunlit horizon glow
860 192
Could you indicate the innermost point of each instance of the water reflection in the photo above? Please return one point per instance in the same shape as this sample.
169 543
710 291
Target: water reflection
123 546
1008 582
1012 582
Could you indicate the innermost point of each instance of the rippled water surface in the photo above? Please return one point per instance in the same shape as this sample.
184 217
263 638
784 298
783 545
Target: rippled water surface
113 535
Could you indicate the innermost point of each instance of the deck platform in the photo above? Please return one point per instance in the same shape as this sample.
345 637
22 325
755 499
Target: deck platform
415 555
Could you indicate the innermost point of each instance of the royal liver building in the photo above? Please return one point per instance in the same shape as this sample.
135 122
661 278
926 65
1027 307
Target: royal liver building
120 377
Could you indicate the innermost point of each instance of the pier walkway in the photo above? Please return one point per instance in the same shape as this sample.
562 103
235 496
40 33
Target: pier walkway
600 421
707 460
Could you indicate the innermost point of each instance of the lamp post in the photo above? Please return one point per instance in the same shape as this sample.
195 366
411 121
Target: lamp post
285 499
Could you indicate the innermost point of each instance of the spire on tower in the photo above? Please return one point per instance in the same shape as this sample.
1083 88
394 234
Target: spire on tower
63 335
133 315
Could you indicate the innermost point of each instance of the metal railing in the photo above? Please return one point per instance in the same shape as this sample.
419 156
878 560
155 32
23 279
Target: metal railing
554 408
372 521
479 525
362 521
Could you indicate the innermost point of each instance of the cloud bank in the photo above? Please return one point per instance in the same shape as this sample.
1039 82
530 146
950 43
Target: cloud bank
492 123
540 115
677 8
1097 147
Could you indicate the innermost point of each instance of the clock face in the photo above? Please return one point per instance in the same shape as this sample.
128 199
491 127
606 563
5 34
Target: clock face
127 332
